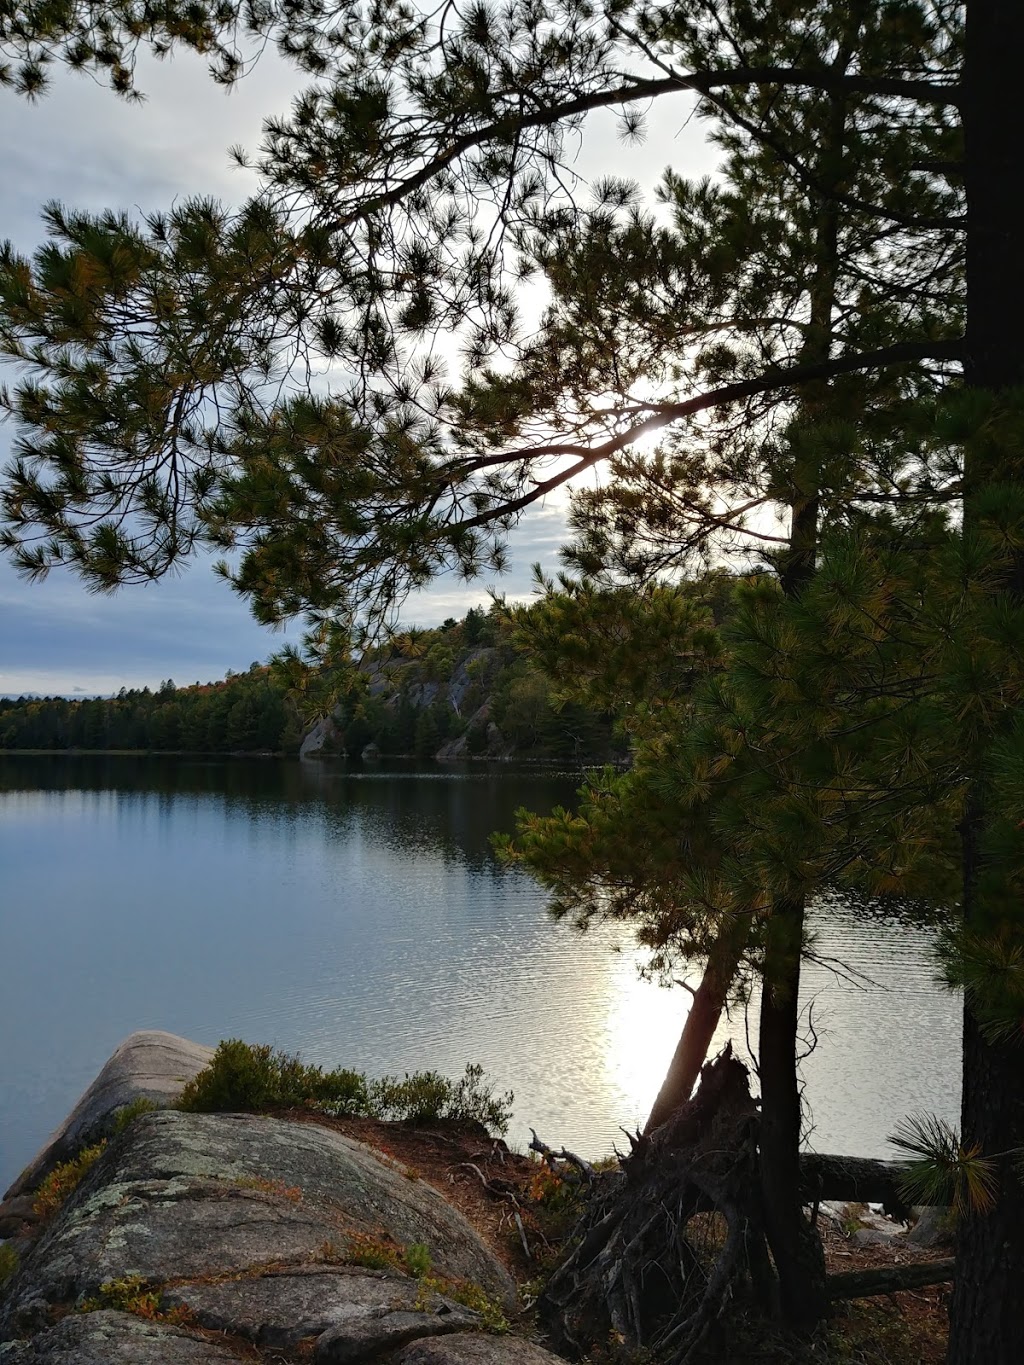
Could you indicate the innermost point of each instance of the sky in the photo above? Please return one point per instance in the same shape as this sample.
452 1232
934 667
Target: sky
82 145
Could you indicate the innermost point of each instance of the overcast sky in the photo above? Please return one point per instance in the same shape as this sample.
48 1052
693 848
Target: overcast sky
85 147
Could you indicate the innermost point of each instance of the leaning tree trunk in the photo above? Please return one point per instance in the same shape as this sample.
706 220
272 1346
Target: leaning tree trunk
703 1018
987 1310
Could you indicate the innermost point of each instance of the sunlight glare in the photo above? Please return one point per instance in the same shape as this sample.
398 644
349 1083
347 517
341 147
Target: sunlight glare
644 1024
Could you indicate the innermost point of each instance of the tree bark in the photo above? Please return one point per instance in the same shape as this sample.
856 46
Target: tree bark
858 1179
795 1245
695 1040
987 1309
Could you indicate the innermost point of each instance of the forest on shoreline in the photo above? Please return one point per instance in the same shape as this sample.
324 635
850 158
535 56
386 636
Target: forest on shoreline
467 689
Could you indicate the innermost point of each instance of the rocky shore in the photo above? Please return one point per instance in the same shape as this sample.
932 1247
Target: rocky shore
202 1238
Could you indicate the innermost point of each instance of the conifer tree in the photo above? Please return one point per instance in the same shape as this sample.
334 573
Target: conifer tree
391 194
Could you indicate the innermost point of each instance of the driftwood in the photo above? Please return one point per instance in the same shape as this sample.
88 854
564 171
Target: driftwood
888 1279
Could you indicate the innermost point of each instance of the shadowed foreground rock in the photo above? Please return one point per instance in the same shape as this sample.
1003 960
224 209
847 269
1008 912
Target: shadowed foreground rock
242 1236
113 1339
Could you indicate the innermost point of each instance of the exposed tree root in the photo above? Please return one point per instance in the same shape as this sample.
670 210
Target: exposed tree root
674 1240
674 1235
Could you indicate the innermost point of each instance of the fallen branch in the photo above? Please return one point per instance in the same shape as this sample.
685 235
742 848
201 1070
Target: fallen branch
584 1168
522 1236
854 1179
889 1279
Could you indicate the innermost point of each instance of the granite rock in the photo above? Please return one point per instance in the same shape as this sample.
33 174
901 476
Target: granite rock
181 1196
360 1311
149 1064
113 1339
476 1348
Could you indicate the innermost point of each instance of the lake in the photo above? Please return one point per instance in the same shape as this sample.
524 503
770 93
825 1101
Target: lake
357 916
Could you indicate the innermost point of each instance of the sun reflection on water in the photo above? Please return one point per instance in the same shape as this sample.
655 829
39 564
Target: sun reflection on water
644 1023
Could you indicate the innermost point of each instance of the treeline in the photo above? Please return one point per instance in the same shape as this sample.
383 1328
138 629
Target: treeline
463 690
467 689
246 712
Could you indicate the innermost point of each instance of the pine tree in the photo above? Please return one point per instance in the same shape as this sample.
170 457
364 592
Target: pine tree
370 237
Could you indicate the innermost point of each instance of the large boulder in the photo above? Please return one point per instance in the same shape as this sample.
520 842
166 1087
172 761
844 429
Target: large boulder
201 1239
257 1228
149 1064
476 1349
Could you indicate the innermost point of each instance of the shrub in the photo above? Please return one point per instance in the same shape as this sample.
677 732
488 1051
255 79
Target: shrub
341 1091
250 1078
246 1077
64 1179
9 1261
429 1097
135 1295
128 1113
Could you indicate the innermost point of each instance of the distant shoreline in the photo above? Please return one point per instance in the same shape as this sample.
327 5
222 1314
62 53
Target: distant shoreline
465 760
149 753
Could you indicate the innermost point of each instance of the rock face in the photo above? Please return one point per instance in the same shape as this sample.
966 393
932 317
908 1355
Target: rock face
324 734
148 1065
250 1237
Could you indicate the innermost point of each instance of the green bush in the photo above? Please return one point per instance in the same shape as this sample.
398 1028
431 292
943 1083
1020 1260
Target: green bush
429 1097
254 1077
247 1077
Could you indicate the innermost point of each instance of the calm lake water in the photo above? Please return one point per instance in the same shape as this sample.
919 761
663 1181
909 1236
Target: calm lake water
359 917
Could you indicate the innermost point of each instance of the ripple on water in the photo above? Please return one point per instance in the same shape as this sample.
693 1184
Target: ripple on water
361 919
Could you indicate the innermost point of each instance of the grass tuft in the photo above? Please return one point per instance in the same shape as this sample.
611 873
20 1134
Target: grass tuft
64 1179
137 1296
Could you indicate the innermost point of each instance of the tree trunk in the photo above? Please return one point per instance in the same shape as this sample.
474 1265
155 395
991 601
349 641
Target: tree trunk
795 1245
695 1040
987 1310
855 1178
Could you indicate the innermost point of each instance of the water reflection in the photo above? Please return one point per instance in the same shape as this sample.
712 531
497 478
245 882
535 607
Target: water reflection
359 917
